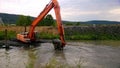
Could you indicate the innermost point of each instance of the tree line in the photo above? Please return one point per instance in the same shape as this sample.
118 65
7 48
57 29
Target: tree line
27 21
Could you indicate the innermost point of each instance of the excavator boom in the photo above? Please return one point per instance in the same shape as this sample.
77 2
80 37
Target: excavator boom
30 36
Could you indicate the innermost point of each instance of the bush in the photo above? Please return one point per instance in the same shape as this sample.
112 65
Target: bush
44 35
1 35
10 35
93 33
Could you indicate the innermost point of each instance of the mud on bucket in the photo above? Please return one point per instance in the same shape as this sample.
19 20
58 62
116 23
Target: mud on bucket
57 44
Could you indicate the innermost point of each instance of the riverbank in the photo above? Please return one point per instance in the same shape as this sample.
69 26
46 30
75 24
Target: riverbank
111 32
107 32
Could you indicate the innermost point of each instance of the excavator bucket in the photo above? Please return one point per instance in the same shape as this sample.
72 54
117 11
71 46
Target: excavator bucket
57 44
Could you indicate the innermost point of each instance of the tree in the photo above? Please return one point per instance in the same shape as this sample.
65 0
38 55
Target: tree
28 21
24 21
47 21
77 23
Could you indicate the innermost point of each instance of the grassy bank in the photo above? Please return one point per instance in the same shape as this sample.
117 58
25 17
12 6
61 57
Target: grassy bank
93 33
10 35
71 33
43 32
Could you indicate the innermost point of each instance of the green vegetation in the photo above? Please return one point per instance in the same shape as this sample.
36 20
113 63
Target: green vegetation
13 18
24 21
72 24
93 33
27 21
1 35
47 21
77 33
10 35
44 35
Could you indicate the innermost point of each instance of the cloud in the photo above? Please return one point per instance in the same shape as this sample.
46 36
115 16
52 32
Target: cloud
77 14
82 10
80 15
115 11
74 10
90 4
25 7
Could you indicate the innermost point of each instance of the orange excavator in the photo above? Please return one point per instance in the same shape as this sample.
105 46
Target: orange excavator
29 37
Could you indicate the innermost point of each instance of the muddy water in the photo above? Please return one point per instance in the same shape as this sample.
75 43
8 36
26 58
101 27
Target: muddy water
86 54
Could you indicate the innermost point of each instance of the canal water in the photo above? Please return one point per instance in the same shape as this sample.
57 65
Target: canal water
77 54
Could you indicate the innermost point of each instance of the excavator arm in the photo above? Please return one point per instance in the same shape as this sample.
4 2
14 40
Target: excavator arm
31 35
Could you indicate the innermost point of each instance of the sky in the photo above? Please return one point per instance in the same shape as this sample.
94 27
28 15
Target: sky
71 10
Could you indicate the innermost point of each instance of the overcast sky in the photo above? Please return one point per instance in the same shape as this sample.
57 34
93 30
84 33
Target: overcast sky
71 10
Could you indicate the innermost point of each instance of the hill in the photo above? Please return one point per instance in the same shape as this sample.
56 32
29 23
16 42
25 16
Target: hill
102 22
12 19
8 18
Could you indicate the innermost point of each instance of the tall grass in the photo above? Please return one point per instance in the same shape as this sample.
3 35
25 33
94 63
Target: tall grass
43 32
10 35
44 35
108 32
93 33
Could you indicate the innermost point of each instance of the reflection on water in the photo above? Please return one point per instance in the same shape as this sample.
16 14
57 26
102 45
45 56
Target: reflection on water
31 58
83 54
102 42
14 58
8 59
46 55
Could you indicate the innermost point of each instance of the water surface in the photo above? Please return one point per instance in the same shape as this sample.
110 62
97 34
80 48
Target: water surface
87 54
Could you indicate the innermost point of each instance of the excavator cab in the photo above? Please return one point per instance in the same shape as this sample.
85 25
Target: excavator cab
29 37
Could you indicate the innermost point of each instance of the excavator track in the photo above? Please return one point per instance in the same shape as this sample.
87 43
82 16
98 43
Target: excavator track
14 42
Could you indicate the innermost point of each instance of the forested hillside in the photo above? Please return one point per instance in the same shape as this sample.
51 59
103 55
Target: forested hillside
12 19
